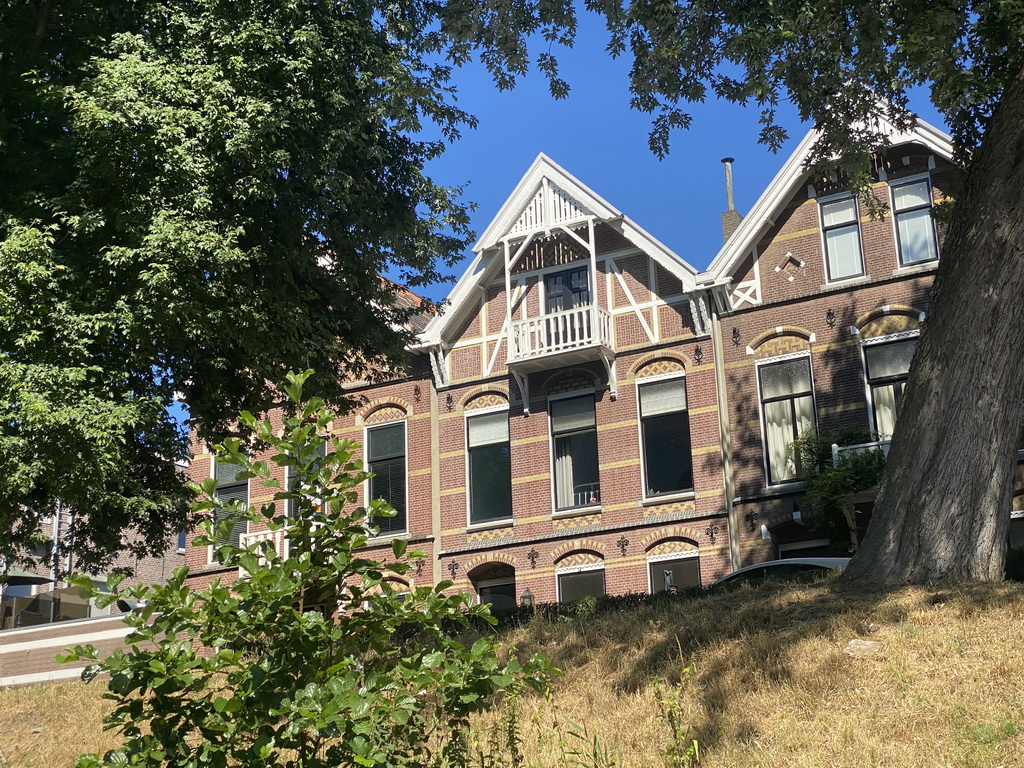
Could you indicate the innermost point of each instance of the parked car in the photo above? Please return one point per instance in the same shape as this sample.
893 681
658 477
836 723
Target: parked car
788 569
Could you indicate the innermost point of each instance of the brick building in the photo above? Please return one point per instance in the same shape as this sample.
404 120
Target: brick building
592 414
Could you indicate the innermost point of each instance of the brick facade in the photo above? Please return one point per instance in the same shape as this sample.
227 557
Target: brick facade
769 298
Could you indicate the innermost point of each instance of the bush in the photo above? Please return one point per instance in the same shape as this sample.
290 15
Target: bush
311 660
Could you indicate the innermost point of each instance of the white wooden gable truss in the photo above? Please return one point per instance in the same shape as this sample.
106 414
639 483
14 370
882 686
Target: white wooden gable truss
550 202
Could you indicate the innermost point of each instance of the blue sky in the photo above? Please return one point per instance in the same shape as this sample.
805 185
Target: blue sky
595 136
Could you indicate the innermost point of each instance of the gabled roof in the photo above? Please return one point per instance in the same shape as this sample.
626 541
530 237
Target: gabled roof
790 178
546 198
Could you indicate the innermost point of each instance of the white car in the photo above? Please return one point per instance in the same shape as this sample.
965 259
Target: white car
788 569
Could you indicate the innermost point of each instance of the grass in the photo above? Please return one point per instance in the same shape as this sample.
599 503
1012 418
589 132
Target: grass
773 686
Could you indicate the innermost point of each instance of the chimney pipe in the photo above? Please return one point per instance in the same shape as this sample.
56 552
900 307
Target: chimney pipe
730 218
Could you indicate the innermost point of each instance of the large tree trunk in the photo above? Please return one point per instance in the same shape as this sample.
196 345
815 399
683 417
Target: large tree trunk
943 508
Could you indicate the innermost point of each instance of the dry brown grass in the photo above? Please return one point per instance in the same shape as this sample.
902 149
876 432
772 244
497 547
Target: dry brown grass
773 686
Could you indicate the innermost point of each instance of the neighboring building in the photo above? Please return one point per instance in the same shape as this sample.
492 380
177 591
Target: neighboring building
591 414
36 595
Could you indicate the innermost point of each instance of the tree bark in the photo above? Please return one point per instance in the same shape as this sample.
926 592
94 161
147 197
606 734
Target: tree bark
943 509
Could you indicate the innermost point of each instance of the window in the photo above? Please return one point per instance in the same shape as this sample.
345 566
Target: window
572 585
574 429
490 467
887 367
319 453
787 404
665 430
231 488
915 230
566 290
500 594
674 572
386 460
182 540
842 239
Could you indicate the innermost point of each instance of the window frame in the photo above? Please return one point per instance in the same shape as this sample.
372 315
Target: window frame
563 269
213 474
573 570
368 484
552 436
469 415
907 181
645 496
869 393
829 200
686 554
767 362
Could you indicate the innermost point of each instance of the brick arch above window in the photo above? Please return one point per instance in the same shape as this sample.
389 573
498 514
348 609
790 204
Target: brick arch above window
781 340
676 532
578 544
671 546
489 398
379 412
570 381
494 569
888 319
658 364
489 559
578 558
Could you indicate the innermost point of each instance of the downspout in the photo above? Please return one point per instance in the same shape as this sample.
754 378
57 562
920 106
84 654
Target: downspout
435 484
723 427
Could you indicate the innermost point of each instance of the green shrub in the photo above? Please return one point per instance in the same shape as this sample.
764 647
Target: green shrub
311 660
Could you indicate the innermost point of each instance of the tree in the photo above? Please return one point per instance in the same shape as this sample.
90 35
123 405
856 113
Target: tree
314 658
942 511
198 196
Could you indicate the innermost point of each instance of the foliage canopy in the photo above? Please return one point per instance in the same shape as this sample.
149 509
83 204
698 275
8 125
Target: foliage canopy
197 198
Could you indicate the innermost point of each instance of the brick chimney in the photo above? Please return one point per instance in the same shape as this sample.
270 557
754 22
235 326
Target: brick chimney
730 218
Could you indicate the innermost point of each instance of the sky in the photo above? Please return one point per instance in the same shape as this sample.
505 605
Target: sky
595 135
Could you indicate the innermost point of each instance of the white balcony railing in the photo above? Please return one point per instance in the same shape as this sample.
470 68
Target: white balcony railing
278 538
843 450
564 331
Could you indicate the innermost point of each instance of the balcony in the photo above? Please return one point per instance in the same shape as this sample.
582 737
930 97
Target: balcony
278 538
561 338
847 450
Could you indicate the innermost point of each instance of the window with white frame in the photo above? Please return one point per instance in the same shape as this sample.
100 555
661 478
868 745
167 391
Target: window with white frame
574 432
674 571
887 365
580 581
231 487
915 229
839 225
787 408
490 467
385 452
665 432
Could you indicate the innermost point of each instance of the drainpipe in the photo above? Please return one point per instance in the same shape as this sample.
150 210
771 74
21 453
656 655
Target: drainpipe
723 426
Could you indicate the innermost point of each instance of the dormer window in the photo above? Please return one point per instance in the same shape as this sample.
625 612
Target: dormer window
915 230
841 231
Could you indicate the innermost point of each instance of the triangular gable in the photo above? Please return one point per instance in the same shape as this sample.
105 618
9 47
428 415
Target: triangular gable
546 198
786 183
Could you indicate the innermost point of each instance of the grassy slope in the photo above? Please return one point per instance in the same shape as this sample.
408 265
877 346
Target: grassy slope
773 685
